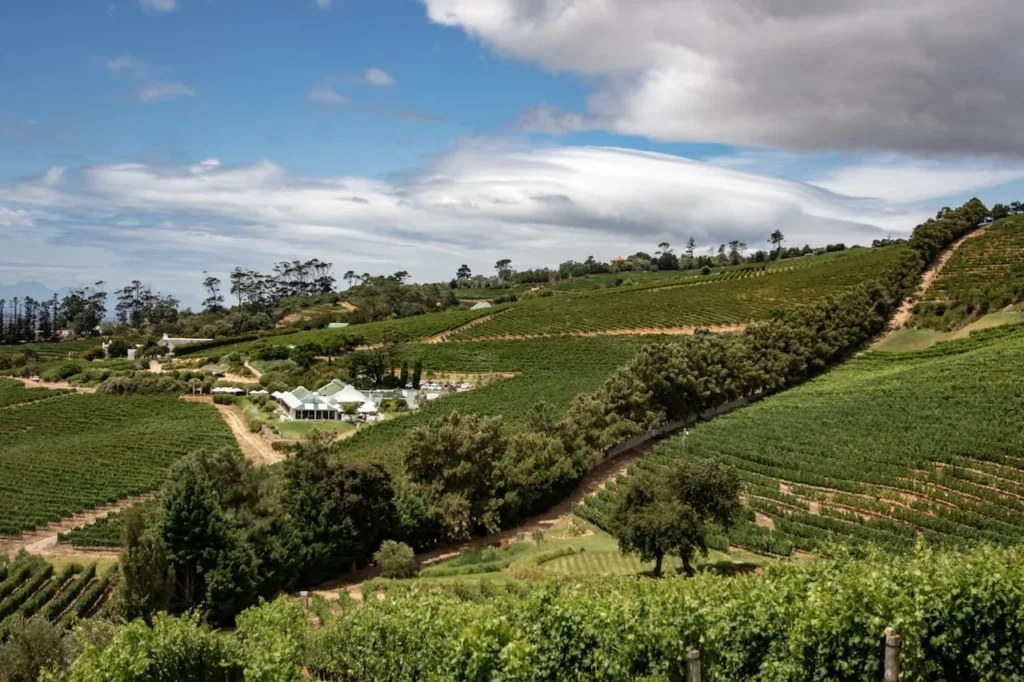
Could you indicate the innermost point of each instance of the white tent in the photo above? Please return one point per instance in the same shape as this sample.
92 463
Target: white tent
349 394
226 389
367 408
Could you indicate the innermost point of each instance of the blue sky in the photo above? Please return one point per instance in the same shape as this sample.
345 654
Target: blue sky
161 138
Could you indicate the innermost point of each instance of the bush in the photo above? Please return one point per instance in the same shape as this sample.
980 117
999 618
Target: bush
395 559
94 354
32 646
705 270
224 399
61 372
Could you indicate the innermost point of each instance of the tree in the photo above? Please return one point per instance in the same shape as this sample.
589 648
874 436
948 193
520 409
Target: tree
1000 211
395 559
669 511
504 269
214 300
417 373
340 512
663 247
691 246
148 579
463 272
457 465
117 348
403 377
31 647
776 240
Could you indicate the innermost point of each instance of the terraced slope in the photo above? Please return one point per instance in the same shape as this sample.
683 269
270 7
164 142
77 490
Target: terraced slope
16 393
722 299
61 457
32 588
984 275
886 449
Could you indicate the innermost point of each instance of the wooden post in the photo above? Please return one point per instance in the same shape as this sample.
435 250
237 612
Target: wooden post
892 656
693 666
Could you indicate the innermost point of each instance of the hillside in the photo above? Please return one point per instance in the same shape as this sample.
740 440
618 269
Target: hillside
888 448
984 276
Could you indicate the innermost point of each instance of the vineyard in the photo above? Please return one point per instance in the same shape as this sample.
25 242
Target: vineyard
730 297
406 328
984 275
104 532
551 370
63 457
32 588
16 393
888 449
957 614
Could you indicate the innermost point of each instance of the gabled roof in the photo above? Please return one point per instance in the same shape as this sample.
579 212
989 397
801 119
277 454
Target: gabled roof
349 394
481 305
330 389
301 392
288 399
367 408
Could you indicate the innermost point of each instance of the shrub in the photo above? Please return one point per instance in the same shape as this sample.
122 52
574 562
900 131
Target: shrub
705 270
61 372
395 559
224 399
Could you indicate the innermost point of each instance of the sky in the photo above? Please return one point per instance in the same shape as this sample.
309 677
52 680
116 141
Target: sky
161 139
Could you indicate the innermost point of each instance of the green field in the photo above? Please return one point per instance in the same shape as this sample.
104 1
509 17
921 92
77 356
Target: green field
552 370
885 449
903 340
62 457
723 298
16 393
406 328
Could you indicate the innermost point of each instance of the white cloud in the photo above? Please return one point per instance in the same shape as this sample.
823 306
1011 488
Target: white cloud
159 5
323 4
898 180
547 119
323 93
475 205
127 65
926 76
378 77
163 90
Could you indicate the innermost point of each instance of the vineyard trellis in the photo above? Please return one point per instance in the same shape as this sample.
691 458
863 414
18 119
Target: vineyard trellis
904 446
61 458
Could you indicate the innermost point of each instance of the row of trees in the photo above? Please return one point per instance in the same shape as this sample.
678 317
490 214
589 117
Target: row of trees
26 320
664 258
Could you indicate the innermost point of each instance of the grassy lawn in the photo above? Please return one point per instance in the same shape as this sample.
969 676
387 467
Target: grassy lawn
919 339
296 430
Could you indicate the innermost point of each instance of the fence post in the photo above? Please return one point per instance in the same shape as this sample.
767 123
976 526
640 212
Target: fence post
693 666
892 656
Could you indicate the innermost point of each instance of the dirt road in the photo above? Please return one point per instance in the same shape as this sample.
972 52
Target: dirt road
43 541
638 331
253 445
906 309
62 385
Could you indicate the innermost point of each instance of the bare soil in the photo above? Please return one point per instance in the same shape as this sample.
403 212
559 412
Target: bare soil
637 331
253 445
55 384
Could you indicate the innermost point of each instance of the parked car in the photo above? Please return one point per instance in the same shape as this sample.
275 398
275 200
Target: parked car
35 378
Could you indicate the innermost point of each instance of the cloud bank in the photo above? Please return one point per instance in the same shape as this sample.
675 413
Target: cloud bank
475 205
922 76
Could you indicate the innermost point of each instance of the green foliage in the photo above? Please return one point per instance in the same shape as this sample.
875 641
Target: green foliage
174 649
395 559
340 513
100 449
273 639
148 577
31 647
825 620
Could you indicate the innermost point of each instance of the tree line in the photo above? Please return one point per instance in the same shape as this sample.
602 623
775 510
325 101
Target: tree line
25 320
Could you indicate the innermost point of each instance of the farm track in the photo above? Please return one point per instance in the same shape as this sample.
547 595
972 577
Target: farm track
443 336
253 445
637 331
906 309
60 385
43 541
